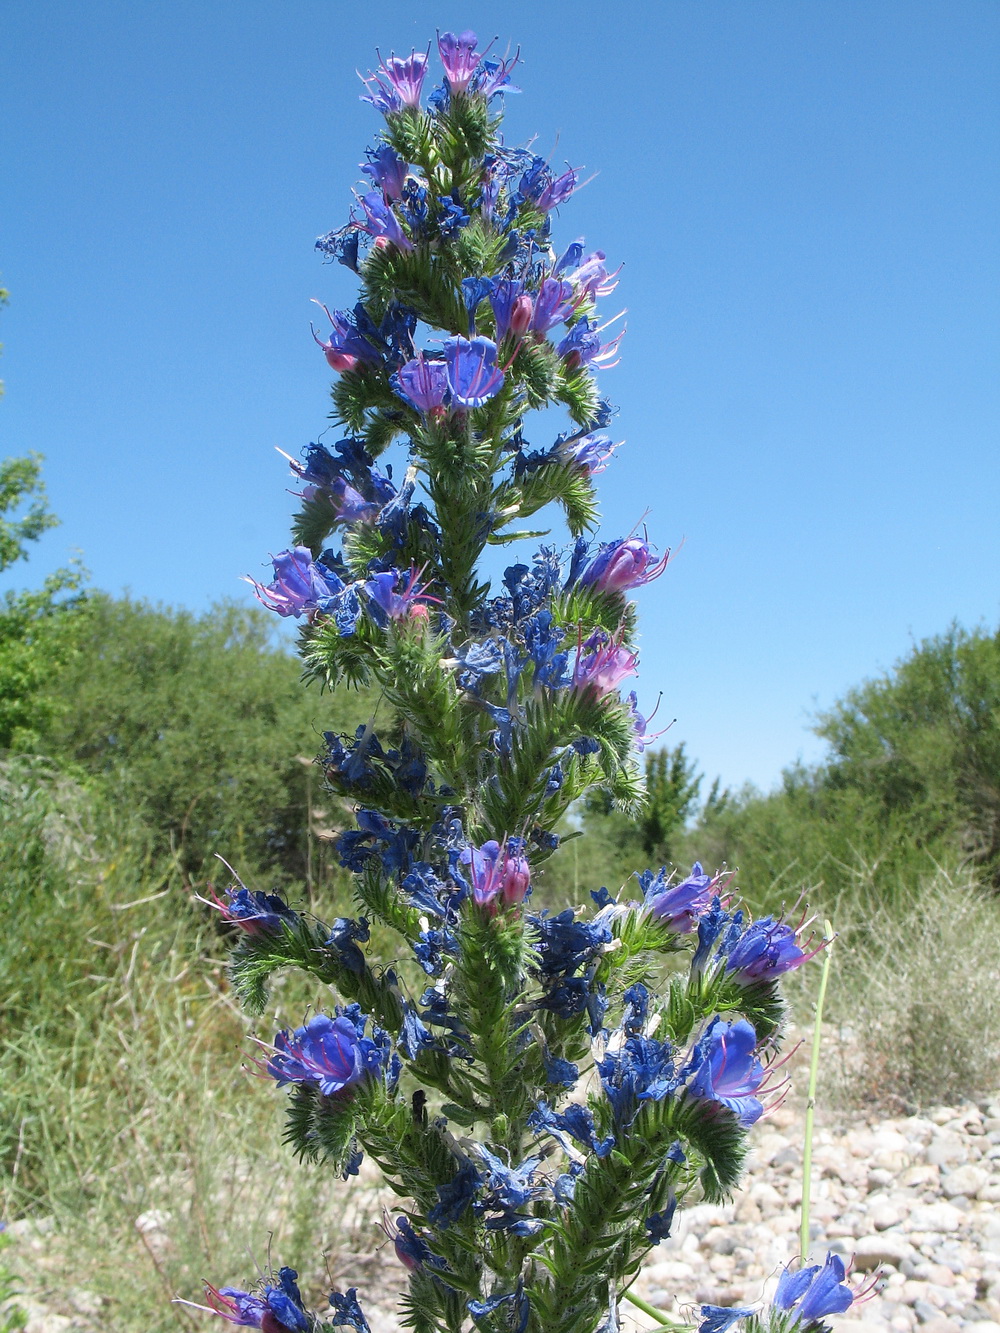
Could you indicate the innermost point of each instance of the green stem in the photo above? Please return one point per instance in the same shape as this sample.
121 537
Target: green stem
651 1310
811 1096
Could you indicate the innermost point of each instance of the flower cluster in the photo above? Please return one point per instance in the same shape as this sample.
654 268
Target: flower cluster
531 1190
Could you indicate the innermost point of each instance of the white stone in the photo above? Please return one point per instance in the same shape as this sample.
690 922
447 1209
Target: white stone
889 1247
935 1217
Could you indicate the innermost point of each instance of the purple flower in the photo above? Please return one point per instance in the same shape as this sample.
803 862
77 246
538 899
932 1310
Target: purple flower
718 1318
640 1070
658 1224
459 57
497 871
557 191
388 604
256 912
388 170
279 1310
678 906
554 303
300 585
350 505
396 83
421 383
591 452
601 665
591 277
238 1307
346 345
621 565
327 1051
503 298
347 1310
493 76
812 1293
765 950
473 375
412 1250
381 222
728 1072
582 346
640 723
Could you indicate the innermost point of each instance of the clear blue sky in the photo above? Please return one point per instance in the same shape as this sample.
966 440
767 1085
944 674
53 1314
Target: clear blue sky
803 192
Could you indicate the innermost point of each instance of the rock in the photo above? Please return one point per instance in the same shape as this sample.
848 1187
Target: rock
942 1216
944 1148
982 1326
890 1247
884 1213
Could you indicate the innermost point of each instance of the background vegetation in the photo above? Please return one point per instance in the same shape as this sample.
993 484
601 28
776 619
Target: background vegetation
136 742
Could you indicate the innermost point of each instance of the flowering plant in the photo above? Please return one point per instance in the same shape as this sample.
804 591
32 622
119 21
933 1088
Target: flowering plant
542 1091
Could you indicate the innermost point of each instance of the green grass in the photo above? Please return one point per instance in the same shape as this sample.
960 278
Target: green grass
126 1089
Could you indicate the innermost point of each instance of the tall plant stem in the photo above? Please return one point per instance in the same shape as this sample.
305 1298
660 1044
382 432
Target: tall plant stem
652 1311
811 1096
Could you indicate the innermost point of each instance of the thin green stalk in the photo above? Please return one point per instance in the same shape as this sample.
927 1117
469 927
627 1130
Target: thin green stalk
811 1095
652 1311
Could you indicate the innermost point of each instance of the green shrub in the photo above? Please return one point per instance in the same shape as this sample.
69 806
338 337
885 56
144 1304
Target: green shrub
199 725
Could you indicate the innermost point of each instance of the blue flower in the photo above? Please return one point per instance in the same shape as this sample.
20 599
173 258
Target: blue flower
566 945
343 934
414 1036
301 585
622 565
475 290
455 1196
505 1190
347 345
635 1010
411 1248
387 169
277 1310
680 905
522 1308
340 245
385 603
256 912
235 1306
421 383
766 950
492 77
582 346
377 838
381 222
327 1051
719 1318
459 57
812 1293
346 1310
640 1070
554 303
451 220
473 375
285 1302
658 1224
590 451
573 1122
727 1071
477 660
505 294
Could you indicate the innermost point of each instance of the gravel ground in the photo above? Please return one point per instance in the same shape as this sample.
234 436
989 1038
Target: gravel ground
912 1198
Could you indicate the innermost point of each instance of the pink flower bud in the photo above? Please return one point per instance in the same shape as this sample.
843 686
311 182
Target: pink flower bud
520 316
